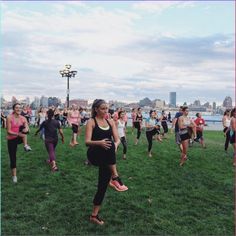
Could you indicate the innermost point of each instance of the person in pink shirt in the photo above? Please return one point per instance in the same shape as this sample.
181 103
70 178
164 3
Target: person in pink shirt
115 115
74 121
17 129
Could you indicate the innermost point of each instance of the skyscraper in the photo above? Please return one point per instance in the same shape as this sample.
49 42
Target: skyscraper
172 99
44 101
227 103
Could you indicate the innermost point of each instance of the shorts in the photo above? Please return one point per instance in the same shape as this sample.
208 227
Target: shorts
199 135
75 128
177 138
99 156
184 134
232 138
184 137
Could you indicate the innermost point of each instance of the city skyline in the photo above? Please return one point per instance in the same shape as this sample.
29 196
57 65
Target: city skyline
45 99
121 50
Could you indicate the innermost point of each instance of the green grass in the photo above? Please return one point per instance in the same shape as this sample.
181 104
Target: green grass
163 198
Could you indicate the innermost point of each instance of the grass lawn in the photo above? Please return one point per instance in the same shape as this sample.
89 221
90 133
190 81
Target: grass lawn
163 198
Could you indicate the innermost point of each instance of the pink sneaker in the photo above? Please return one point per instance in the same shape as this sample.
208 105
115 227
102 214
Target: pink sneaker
117 184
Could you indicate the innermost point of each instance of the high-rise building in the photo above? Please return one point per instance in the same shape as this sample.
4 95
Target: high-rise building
172 99
54 101
197 103
227 103
214 105
36 103
44 101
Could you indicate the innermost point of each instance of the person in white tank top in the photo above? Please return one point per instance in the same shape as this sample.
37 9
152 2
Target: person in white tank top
120 124
226 124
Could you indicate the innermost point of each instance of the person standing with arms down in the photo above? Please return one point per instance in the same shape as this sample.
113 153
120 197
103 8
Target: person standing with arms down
151 130
74 121
200 123
185 123
175 126
164 124
138 124
50 127
17 128
99 136
120 124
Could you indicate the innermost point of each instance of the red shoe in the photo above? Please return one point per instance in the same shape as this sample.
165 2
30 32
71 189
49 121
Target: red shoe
118 185
96 220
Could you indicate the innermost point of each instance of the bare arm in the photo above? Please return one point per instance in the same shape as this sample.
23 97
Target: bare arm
173 123
68 118
115 134
26 129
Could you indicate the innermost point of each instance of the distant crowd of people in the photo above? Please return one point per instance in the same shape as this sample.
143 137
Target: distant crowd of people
105 130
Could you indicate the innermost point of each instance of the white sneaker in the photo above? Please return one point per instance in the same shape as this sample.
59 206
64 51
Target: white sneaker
14 179
27 148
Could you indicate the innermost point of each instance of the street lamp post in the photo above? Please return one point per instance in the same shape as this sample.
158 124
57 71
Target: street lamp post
66 72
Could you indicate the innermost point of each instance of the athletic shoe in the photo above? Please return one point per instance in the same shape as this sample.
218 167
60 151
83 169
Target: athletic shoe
27 148
117 184
96 219
14 179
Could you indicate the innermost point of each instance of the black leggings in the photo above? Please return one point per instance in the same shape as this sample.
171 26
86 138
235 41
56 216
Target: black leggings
124 143
149 135
103 180
12 148
165 127
138 127
227 138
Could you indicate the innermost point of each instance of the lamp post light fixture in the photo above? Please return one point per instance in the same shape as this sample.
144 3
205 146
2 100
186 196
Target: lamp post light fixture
66 72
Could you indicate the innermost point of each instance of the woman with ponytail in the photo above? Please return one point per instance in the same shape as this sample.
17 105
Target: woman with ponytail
102 140
50 127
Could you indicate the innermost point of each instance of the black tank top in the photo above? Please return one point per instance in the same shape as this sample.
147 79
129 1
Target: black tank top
138 118
99 134
164 119
97 155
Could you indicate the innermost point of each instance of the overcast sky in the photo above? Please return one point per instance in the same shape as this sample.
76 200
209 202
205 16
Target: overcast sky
122 50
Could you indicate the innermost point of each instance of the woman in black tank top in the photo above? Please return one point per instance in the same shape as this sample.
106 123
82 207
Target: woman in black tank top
138 124
102 140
